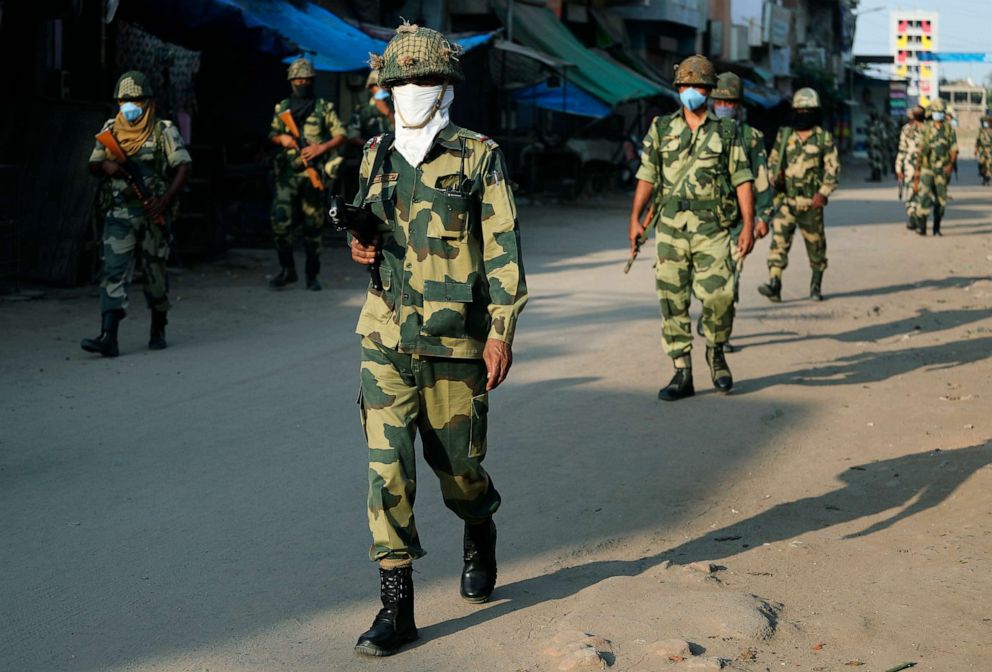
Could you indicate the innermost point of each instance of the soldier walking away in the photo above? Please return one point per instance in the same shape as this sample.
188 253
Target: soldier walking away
726 99
694 175
983 151
374 117
905 168
876 141
806 169
308 132
145 166
938 151
436 338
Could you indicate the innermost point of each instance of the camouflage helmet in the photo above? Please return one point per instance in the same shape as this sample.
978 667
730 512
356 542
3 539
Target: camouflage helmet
132 84
301 68
417 52
938 105
728 87
917 112
806 99
695 71
950 111
372 79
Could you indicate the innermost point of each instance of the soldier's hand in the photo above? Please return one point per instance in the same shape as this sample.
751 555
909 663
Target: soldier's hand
287 141
634 233
498 358
365 254
948 169
761 229
899 177
311 152
111 168
157 206
745 242
819 201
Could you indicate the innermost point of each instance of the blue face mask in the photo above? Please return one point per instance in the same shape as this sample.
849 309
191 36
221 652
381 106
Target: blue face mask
954 123
692 99
381 94
724 112
131 111
937 116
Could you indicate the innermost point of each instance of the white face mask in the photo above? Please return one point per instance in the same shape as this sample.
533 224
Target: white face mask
421 112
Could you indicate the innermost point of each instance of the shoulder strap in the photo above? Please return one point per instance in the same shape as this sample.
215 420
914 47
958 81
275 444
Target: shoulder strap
381 149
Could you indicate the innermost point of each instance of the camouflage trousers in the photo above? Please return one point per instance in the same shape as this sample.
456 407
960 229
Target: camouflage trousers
932 195
693 263
784 223
446 401
296 197
126 239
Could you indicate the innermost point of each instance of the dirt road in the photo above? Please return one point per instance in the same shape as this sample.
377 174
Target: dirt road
202 508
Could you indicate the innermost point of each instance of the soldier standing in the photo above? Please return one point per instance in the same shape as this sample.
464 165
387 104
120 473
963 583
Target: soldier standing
300 168
909 146
694 173
436 339
375 117
876 141
146 165
983 150
933 165
806 169
726 99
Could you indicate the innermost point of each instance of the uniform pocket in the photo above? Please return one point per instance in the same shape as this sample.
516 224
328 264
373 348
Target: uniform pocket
381 199
449 215
445 308
480 414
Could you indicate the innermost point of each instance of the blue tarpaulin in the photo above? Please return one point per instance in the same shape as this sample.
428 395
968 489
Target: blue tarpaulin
761 95
960 57
567 98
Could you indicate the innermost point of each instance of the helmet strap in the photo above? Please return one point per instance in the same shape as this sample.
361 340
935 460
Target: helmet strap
430 114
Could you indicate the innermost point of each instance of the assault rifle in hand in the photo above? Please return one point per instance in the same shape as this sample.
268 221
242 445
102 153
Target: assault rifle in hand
131 173
286 118
360 223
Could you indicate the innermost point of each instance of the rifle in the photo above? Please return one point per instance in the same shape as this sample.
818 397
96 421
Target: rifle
360 223
131 174
641 239
286 117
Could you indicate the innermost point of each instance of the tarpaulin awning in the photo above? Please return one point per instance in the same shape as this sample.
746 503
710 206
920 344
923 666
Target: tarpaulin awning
514 66
568 99
279 27
539 28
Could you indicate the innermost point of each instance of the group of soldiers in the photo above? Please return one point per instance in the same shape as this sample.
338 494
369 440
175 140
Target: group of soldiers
983 150
883 145
927 156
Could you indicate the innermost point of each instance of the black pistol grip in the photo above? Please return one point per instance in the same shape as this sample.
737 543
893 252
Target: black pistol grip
376 276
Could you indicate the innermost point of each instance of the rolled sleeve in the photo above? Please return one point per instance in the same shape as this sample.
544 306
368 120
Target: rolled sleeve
740 170
176 153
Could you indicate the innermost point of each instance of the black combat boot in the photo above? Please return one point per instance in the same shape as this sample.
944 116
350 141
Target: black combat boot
772 289
679 387
106 342
156 339
911 224
719 371
287 273
936 223
479 573
313 269
393 625
815 283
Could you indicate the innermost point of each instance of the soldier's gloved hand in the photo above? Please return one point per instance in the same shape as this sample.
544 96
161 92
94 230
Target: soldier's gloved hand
761 228
365 254
498 358
819 201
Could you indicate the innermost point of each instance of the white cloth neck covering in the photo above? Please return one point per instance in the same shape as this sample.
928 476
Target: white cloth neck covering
413 105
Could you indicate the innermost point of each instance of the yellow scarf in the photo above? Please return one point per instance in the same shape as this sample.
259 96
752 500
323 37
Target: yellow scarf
133 136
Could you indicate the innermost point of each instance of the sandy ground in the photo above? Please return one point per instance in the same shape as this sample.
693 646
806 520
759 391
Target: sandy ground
203 509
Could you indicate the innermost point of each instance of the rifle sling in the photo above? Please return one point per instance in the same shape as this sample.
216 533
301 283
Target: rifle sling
385 141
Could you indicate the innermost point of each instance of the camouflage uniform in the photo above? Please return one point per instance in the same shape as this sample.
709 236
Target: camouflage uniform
909 147
983 150
452 278
127 232
938 146
695 176
807 167
876 142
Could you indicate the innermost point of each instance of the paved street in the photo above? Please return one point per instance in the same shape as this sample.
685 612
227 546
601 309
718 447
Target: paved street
203 508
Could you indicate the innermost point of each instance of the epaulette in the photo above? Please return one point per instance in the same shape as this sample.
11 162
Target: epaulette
473 135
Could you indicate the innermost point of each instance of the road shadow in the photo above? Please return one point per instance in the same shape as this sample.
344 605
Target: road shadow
902 487
951 282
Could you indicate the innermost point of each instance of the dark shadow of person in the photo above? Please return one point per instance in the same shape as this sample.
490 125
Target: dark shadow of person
900 487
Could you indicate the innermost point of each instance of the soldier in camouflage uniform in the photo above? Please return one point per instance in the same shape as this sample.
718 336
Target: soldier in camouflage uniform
876 140
436 339
155 154
933 167
323 133
375 117
806 171
726 99
909 146
983 150
694 174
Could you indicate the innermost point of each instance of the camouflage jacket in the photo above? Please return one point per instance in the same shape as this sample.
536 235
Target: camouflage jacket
757 159
937 144
367 122
452 273
909 146
162 152
983 144
322 125
694 175
805 167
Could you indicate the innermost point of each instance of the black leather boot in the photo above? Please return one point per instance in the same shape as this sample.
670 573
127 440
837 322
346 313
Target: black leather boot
772 289
156 338
815 284
393 625
479 573
313 269
921 225
106 343
936 223
287 273
719 371
911 223
679 387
